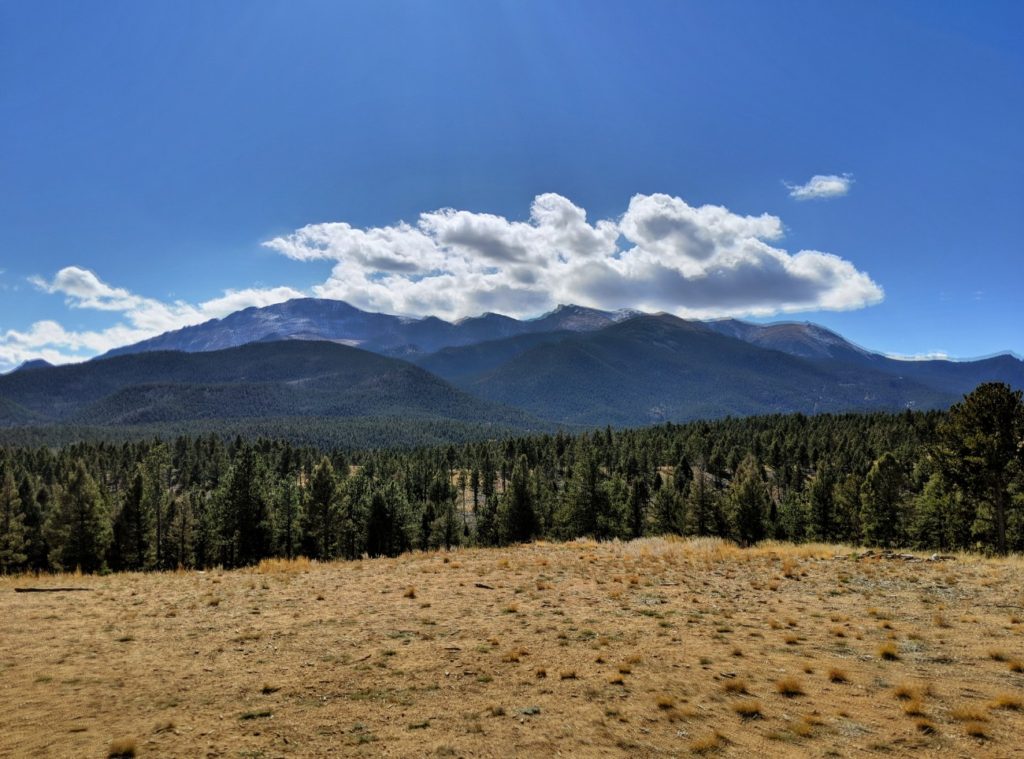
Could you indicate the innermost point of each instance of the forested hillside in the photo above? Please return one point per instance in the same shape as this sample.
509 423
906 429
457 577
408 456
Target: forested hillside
942 480
660 368
168 392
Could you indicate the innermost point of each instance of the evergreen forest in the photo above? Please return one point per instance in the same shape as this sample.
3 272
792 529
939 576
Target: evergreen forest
936 480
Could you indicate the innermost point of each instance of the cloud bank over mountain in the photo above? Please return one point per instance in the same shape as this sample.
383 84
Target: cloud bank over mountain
140 317
661 254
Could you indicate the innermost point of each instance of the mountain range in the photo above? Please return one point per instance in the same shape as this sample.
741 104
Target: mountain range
324 360
337 321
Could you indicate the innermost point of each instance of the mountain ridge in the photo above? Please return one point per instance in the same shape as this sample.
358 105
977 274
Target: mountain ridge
338 321
310 359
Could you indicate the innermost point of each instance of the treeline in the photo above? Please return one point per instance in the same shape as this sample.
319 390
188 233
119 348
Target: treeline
936 480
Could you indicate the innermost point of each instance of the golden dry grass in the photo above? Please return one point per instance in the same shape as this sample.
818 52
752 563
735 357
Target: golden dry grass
560 652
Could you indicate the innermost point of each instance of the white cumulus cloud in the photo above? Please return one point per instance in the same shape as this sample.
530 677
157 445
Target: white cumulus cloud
661 254
821 186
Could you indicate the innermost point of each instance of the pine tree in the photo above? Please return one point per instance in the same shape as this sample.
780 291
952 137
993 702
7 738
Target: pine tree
247 520
36 549
181 531
881 502
78 529
585 497
132 529
639 499
444 528
613 509
933 524
487 510
387 532
748 501
520 519
669 511
353 497
13 538
821 505
289 518
704 511
682 475
156 477
322 511
980 450
846 498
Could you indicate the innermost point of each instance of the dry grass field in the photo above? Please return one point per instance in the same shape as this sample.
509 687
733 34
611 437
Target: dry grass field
649 648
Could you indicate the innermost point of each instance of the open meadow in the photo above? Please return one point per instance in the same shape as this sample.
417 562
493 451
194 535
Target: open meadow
648 648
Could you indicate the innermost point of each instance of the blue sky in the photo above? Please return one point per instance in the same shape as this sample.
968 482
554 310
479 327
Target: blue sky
165 162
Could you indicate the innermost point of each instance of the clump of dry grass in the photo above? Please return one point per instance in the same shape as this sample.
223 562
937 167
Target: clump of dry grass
997 655
789 687
567 674
665 701
541 673
888 651
1010 701
837 675
1016 665
515 655
708 743
976 730
800 729
968 713
905 691
123 748
914 708
410 592
748 708
738 685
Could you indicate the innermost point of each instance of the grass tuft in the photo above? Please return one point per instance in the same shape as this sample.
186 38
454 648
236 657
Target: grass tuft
914 708
789 687
123 748
739 685
976 730
748 709
708 743
1010 701
888 651
968 713
837 675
